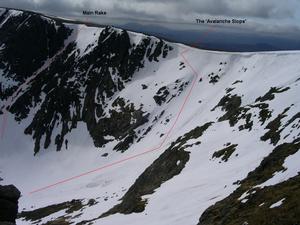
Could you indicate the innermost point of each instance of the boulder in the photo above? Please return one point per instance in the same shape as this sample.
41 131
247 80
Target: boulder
9 196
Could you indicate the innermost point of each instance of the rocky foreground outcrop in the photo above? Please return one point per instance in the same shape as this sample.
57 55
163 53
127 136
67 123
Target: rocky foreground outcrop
9 196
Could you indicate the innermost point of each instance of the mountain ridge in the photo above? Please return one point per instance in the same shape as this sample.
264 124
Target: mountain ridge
205 46
113 94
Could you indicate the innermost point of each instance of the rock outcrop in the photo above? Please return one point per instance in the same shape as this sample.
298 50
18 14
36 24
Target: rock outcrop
9 196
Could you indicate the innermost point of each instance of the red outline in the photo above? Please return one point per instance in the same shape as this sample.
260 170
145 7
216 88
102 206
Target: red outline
195 78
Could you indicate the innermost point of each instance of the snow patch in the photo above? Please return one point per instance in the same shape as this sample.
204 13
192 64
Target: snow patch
87 38
292 168
277 204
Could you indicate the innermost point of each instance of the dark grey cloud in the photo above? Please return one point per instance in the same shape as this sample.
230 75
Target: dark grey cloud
245 8
48 6
263 13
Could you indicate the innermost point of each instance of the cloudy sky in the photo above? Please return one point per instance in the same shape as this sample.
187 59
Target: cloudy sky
277 16
187 10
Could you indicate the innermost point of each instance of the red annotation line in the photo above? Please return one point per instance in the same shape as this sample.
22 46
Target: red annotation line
95 170
195 78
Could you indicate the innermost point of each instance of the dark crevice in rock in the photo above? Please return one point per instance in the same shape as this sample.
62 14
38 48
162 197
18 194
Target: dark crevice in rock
163 95
274 128
213 78
232 105
270 95
225 153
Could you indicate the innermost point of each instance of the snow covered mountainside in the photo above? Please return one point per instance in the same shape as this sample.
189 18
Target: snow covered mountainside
104 126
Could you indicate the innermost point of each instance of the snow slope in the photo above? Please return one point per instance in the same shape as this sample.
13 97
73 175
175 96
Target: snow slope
82 172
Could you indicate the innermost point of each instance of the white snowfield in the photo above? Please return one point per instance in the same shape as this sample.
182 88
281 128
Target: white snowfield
204 180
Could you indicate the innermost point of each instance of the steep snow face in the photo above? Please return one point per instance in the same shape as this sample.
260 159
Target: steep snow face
86 37
148 132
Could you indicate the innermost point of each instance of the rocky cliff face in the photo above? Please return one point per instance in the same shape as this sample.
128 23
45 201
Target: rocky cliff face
170 134
9 196
66 83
